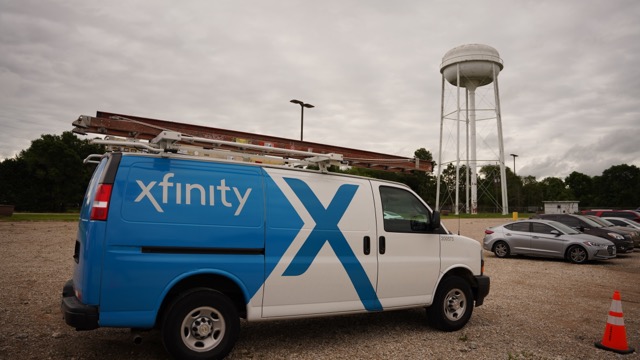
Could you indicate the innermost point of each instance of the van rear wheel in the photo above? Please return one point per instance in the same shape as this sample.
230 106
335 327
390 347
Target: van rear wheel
452 305
200 324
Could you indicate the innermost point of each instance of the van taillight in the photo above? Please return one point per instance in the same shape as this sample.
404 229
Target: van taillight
100 207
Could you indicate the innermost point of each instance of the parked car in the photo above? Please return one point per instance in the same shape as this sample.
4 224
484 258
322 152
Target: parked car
546 238
623 242
635 235
624 223
627 214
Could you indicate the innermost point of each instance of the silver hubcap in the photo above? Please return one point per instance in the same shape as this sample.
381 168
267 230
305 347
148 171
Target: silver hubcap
501 249
202 329
578 255
455 304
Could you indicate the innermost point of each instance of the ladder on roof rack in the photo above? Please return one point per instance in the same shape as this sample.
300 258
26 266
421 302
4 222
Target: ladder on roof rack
165 136
169 142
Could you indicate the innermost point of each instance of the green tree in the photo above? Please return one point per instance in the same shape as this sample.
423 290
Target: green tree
581 186
423 154
554 189
619 186
13 177
49 175
490 189
532 194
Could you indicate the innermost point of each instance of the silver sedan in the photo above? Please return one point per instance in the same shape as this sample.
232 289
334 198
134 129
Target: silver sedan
546 238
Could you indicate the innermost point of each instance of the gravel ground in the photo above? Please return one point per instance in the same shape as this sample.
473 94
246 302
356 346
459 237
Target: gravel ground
537 309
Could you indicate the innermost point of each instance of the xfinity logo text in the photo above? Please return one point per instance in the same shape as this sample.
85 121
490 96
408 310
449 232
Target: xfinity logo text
206 195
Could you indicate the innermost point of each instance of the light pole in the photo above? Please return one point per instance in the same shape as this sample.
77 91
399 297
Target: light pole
514 164
516 175
302 106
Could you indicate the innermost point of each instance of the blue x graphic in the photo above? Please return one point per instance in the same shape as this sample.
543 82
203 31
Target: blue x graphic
326 230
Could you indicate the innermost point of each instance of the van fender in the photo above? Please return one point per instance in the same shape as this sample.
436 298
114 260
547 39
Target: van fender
466 273
181 283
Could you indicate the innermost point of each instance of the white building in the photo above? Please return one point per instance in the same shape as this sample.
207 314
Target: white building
561 207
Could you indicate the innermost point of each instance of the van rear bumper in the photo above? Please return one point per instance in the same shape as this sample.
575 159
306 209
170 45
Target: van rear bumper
75 313
482 290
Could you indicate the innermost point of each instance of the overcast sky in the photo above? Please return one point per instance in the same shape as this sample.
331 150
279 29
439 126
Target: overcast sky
569 90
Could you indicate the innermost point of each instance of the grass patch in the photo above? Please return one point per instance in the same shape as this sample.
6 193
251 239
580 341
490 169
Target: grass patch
41 217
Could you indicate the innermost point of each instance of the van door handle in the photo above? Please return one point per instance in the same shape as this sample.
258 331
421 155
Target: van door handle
382 242
367 245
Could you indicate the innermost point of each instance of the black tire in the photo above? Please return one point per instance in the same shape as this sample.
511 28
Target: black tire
501 249
577 254
200 324
452 306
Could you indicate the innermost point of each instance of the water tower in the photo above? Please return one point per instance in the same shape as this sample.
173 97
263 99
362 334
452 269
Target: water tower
470 67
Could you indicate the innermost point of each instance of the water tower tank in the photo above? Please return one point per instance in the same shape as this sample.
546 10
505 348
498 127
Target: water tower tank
476 65
471 66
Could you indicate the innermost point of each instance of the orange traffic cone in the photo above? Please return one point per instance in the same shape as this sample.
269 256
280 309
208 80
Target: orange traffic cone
615 335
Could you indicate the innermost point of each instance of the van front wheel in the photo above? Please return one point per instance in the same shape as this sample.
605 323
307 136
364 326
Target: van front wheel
200 324
452 305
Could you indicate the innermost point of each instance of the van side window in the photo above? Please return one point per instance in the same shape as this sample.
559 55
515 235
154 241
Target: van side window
402 211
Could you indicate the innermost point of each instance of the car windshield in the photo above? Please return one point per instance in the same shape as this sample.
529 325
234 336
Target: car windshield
564 228
606 222
589 221
623 222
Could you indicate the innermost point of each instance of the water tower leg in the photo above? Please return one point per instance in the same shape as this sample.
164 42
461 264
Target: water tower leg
472 148
466 175
503 173
458 145
440 146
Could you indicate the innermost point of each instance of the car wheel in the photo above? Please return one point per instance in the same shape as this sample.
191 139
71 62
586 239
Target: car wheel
501 249
452 305
200 324
577 254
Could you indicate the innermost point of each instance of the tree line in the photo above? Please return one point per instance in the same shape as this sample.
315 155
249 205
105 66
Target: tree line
50 176
618 187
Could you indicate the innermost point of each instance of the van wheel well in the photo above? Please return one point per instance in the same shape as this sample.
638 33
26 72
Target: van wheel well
467 276
210 281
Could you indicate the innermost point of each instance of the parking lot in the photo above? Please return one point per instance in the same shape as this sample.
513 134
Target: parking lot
537 309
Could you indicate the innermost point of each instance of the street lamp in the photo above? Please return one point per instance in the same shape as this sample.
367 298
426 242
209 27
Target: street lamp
302 106
514 163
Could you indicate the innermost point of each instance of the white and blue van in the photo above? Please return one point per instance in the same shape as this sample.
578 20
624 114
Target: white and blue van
190 245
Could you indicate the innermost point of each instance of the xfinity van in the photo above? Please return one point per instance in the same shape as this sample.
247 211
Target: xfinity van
192 244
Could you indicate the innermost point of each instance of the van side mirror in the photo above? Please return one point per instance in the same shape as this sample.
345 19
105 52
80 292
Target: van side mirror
435 220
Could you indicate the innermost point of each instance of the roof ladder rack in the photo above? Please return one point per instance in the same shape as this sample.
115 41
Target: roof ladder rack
168 142
262 148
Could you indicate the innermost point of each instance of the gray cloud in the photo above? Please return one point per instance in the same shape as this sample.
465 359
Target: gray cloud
568 89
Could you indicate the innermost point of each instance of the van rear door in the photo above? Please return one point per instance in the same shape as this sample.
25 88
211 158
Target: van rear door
91 231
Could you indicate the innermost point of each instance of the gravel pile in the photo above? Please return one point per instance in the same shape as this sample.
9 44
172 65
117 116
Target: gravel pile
537 309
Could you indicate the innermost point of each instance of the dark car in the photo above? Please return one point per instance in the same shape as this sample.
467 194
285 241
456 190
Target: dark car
633 233
627 214
623 242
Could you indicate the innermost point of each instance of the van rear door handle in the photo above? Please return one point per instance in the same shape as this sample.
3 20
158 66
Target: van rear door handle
382 242
367 245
